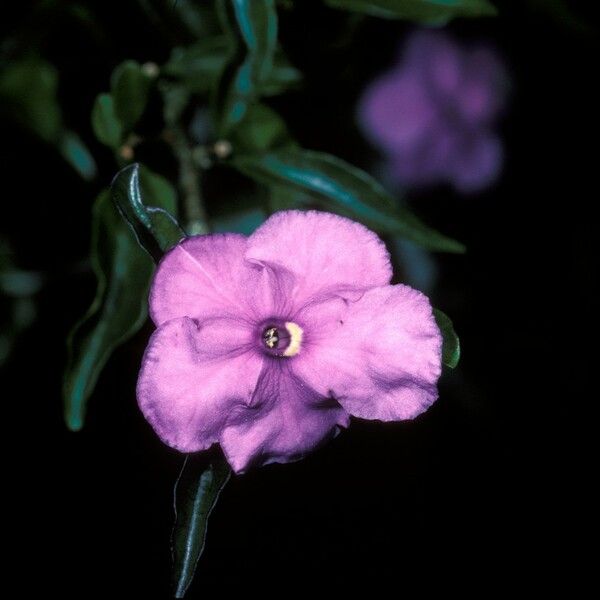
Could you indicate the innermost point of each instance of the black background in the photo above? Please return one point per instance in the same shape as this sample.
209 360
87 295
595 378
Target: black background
489 485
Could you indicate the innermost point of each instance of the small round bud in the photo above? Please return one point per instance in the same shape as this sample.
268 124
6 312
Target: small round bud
126 152
150 69
222 149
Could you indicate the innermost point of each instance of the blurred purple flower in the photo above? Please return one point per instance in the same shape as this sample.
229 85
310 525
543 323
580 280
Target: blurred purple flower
433 114
268 344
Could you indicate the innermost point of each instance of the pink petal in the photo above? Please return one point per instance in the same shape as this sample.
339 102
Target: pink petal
437 59
380 356
193 375
396 111
477 163
484 90
207 275
286 421
321 250
427 162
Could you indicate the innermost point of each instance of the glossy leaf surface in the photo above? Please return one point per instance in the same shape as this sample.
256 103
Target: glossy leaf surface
156 230
123 271
424 11
451 345
196 493
252 28
337 186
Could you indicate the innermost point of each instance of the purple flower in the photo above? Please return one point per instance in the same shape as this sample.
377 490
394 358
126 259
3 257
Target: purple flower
267 344
433 114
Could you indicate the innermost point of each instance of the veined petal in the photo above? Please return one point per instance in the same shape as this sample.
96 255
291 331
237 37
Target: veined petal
380 356
193 375
285 421
206 276
322 251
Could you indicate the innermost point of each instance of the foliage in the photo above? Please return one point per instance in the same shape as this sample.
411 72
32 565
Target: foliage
215 113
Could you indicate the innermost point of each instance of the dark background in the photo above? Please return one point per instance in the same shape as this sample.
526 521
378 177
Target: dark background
488 485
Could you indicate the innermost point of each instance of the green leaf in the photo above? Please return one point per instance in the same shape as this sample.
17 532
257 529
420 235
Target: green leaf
337 186
200 65
252 27
284 76
28 93
262 129
130 87
105 123
175 100
147 210
196 493
286 198
451 344
123 271
76 153
243 221
436 12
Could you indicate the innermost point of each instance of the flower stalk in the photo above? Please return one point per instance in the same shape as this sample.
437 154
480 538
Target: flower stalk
196 221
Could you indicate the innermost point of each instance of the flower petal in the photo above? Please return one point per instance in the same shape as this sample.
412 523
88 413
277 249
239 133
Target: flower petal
483 94
323 251
193 375
477 162
206 276
436 59
380 357
396 111
285 421
426 162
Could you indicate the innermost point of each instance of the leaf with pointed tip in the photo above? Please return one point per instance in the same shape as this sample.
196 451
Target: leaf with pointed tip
155 229
105 122
337 186
252 29
123 271
451 343
119 309
436 12
196 492
130 87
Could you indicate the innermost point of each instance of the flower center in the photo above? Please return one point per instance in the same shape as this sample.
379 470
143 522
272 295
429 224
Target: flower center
282 340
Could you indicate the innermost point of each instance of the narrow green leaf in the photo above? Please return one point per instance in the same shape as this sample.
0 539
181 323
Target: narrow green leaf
425 11
337 186
76 153
196 493
156 230
123 271
130 87
252 26
105 123
451 344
